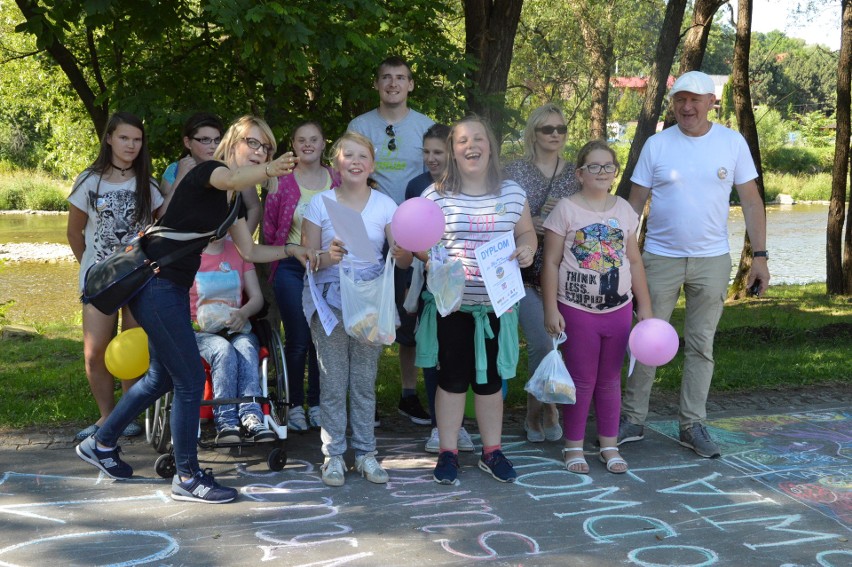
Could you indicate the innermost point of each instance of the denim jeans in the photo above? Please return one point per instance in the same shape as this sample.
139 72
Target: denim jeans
298 346
234 367
162 309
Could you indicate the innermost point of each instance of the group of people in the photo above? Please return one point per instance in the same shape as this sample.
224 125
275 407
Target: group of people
576 243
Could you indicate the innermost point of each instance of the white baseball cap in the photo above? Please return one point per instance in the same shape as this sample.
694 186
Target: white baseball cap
693 82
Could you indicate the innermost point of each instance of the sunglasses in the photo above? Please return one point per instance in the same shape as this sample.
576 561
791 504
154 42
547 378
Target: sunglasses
596 168
392 142
205 141
548 130
257 144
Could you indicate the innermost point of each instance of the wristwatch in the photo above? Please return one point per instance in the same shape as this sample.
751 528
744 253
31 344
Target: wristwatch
760 254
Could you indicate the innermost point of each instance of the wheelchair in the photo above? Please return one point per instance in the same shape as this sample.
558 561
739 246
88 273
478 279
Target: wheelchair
273 402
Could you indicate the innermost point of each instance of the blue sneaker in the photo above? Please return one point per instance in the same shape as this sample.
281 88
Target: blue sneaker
498 466
201 487
107 462
447 469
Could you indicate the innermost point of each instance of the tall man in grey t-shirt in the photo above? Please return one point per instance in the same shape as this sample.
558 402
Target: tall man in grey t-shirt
397 134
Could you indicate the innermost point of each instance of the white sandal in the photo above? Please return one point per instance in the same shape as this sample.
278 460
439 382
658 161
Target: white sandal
574 460
612 461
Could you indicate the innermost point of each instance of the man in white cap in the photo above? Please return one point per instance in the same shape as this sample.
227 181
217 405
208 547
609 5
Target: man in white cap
689 171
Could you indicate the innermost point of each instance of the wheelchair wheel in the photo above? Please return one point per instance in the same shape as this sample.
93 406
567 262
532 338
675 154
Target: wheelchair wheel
165 466
157 424
277 459
276 373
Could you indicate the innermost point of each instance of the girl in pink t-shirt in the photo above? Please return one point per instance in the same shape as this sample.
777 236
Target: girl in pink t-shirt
591 271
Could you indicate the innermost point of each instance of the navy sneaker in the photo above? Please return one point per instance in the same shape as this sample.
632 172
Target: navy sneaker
107 461
498 466
447 469
201 487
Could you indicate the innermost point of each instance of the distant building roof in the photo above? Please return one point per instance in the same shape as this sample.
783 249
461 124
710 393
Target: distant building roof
641 83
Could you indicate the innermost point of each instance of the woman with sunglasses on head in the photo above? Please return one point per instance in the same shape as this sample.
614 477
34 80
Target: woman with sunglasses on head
110 203
200 203
282 223
474 348
202 133
546 177
590 237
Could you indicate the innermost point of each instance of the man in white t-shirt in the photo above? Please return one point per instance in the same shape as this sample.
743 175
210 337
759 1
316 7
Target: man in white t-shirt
689 171
397 135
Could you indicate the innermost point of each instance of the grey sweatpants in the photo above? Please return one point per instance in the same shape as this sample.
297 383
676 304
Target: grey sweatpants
347 367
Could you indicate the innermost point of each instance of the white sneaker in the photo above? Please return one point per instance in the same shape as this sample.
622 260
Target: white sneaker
465 443
333 471
296 419
370 468
314 420
433 444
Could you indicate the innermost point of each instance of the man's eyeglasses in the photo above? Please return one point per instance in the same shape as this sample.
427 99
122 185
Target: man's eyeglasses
392 142
257 144
205 141
548 130
596 168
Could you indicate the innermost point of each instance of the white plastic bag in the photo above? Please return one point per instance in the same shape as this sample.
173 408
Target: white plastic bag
551 383
369 312
214 317
446 281
412 298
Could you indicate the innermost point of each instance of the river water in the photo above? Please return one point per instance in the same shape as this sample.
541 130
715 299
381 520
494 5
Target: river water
45 292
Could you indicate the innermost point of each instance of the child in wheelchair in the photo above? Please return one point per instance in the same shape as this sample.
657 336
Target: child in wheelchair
226 292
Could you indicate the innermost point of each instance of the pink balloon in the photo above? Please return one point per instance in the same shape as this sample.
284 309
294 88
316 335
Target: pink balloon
653 342
418 224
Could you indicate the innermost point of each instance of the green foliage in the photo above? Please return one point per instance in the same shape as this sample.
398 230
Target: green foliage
25 189
772 130
815 187
798 159
815 128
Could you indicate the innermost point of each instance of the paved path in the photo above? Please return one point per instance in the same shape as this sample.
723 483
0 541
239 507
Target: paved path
780 496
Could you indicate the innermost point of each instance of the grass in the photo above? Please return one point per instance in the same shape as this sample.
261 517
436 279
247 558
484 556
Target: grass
802 187
793 336
29 189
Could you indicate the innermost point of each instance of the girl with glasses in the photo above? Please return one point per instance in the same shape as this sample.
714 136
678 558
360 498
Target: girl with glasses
546 177
200 203
202 133
591 272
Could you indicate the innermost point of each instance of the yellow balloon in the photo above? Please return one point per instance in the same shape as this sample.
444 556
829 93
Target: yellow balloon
127 355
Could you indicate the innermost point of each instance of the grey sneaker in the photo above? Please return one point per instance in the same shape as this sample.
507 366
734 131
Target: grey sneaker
433 444
628 431
257 430
698 439
370 468
465 443
296 419
333 471
314 420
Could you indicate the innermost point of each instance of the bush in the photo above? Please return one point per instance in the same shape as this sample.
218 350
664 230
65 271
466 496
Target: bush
793 159
31 190
815 187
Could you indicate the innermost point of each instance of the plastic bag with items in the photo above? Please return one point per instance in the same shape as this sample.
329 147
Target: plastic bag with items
369 312
214 317
551 383
446 280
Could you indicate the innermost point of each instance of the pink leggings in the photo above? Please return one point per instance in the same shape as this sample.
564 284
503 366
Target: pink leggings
594 354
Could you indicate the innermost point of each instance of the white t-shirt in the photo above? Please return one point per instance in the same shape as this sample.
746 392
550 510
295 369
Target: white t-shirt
377 214
110 209
394 168
472 221
691 180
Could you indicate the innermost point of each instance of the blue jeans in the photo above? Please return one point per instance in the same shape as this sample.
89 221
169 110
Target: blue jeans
162 309
298 346
234 367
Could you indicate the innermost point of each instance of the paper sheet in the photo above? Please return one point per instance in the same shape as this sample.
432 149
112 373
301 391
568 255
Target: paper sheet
326 315
502 278
349 228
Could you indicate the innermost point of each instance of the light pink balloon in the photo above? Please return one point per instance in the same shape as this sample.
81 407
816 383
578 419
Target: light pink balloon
653 342
418 224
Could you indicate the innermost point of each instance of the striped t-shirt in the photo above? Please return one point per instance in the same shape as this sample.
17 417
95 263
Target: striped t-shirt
473 220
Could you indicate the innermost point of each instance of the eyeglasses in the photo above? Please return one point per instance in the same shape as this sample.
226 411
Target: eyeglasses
596 168
548 130
257 144
392 142
205 141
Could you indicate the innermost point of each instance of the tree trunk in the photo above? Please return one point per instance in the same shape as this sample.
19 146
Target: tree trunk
490 27
695 42
98 112
748 127
663 58
597 38
837 262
